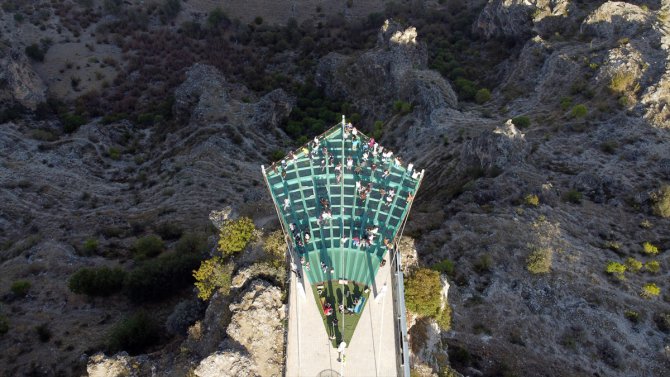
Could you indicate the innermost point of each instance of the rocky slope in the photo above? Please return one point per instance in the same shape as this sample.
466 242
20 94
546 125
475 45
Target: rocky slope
577 186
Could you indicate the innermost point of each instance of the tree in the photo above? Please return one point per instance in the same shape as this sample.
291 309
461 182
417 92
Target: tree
213 275
617 269
423 290
650 290
521 121
235 235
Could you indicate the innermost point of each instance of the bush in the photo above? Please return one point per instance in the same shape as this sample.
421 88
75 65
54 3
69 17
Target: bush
114 153
443 318
184 315
258 20
35 52
213 275
650 290
573 196
90 246
649 249
446 266
194 243
661 201
148 246
423 292
4 325
402 107
169 231
20 288
579 111
539 261
483 263
235 235
101 281
483 95
216 17
277 155
521 121
159 278
632 316
71 122
275 248
617 269
566 102
134 334
43 332
171 8
633 264
622 81
653 266
532 200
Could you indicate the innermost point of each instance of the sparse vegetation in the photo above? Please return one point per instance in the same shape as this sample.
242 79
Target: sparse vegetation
539 261
90 246
650 290
423 292
622 82
402 107
632 316
275 248
235 235
446 266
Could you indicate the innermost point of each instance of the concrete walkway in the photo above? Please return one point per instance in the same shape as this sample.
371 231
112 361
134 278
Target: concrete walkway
372 351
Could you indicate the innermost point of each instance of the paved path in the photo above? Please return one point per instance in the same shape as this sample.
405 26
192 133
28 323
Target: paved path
372 351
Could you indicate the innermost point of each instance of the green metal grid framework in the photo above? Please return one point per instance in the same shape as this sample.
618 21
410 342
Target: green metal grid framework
309 174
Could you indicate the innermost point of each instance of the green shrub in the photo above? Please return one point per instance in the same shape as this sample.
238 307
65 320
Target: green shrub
483 95
114 153
148 246
402 107
465 88
216 17
423 290
102 281
169 231
378 129
35 52
161 277
194 243
653 266
446 266
633 264
617 269
4 325
573 196
661 200
579 111
539 261
43 332
171 8
649 249
521 121
622 82
443 318
71 122
213 275
650 290
275 248
632 316
235 235
277 155
532 200
566 102
258 20
90 246
20 288
134 334
483 263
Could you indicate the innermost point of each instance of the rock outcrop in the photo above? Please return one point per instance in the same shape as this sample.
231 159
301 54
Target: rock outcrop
227 364
100 365
616 19
18 81
257 326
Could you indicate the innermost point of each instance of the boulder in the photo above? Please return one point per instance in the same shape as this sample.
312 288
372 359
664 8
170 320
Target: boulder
226 363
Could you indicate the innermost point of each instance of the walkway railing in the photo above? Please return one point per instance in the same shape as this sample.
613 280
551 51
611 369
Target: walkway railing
400 323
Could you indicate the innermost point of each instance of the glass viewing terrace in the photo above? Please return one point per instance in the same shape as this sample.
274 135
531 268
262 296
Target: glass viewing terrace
342 201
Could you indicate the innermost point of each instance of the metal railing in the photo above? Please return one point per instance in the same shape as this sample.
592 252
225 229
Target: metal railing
400 320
